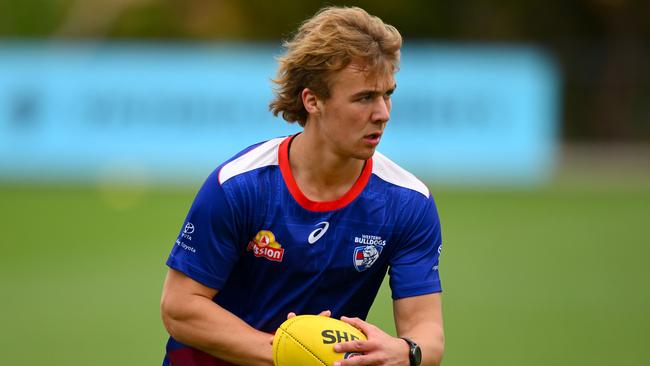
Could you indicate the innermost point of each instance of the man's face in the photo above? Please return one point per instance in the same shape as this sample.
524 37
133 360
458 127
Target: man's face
353 118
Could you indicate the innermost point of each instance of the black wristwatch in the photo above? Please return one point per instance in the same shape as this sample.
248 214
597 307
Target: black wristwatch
415 353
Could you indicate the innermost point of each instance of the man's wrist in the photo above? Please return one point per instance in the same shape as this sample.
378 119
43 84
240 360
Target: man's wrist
415 353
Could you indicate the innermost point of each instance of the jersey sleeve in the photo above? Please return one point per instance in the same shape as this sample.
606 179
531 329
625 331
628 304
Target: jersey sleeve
414 266
207 248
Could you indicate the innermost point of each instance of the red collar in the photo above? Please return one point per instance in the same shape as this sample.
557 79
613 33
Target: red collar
306 203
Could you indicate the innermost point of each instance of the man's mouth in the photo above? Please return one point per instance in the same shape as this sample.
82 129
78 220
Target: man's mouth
372 138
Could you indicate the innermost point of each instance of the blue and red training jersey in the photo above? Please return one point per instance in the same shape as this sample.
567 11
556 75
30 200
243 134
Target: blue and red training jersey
269 250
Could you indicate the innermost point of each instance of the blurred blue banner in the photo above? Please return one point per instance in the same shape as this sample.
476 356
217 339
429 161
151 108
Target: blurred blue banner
172 113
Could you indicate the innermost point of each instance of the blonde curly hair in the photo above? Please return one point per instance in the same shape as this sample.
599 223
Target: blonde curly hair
326 43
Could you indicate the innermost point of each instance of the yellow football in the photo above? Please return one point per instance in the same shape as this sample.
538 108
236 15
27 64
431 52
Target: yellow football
308 340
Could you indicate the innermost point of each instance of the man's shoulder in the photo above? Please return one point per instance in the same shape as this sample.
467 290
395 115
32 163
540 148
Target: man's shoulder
390 172
256 156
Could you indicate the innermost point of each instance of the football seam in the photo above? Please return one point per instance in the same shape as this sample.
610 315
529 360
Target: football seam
276 353
286 331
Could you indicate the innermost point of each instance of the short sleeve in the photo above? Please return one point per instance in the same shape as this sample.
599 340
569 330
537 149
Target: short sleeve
206 248
414 266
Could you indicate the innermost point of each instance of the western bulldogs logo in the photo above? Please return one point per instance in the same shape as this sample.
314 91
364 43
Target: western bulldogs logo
365 256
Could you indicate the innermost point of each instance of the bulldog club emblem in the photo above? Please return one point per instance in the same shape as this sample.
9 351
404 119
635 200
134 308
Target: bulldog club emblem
365 256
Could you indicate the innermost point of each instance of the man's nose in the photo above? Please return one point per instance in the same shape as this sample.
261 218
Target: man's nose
381 112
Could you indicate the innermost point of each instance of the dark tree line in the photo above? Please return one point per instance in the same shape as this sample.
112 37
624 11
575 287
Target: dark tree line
601 46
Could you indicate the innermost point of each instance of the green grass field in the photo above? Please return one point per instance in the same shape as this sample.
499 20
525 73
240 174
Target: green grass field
551 276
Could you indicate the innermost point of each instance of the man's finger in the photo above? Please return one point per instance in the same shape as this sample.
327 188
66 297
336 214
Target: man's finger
352 346
357 323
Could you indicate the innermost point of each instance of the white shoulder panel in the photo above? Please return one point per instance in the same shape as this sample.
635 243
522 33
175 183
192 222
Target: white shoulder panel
263 155
387 170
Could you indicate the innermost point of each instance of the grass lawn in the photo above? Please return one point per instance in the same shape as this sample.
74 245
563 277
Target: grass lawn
550 276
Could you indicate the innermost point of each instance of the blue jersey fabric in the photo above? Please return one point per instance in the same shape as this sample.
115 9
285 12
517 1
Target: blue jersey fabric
268 250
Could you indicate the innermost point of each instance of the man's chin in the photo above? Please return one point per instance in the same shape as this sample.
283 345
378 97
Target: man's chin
365 154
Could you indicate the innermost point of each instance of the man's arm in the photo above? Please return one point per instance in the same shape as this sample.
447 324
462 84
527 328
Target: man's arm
420 319
191 317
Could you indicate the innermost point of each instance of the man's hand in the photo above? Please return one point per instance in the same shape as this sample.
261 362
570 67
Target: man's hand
379 349
326 313
291 314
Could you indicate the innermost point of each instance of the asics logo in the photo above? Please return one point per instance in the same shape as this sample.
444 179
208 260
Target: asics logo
318 233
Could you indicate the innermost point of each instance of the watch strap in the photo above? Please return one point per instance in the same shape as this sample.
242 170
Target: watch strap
415 354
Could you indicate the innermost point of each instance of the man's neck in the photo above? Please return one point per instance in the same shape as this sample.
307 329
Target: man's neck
321 174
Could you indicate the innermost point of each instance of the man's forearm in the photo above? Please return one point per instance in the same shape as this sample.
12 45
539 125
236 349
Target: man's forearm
204 325
430 338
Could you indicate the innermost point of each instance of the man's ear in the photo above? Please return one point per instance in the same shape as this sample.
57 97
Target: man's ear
310 101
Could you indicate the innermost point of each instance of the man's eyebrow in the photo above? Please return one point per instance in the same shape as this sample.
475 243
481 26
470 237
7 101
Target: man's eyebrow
374 92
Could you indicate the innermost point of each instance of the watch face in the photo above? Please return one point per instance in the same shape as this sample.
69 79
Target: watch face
417 354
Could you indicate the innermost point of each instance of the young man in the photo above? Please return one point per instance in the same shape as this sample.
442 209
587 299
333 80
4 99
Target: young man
311 223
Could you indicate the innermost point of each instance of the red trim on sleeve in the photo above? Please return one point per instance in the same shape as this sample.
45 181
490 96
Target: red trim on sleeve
306 203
